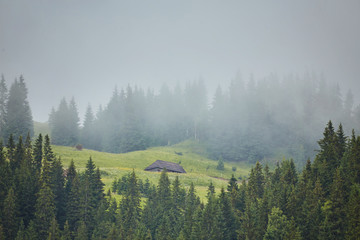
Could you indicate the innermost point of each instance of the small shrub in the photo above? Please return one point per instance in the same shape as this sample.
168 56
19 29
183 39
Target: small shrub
79 147
234 169
220 165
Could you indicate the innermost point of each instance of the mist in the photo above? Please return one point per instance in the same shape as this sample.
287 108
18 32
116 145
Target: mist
84 49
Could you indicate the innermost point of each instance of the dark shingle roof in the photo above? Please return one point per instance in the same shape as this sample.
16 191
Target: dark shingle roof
171 167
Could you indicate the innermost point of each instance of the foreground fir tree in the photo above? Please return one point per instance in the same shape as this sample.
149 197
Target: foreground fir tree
54 231
45 206
130 207
9 219
353 214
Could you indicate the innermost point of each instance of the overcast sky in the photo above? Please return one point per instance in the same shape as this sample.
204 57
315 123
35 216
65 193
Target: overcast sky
85 48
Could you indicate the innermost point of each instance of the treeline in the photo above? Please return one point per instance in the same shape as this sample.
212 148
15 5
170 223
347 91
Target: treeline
39 200
15 112
248 122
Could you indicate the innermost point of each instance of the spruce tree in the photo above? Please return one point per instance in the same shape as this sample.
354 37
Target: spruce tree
130 207
45 207
88 134
21 233
353 214
38 153
3 103
66 234
19 120
57 183
227 218
9 219
73 201
334 223
5 178
277 227
54 231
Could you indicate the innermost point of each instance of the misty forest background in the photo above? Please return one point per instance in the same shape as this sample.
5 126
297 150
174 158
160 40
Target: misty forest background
249 120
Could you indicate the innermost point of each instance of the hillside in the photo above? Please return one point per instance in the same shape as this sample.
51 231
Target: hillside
200 170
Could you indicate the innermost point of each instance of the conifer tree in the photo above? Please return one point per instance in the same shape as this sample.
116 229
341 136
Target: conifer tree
73 201
21 233
256 182
2 234
82 232
277 227
9 219
130 207
210 223
353 214
3 102
45 207
27 186
54 231
88 134
227 218
38 153
19 120
49 155
191 205
334 223
66 234
5 178
57 186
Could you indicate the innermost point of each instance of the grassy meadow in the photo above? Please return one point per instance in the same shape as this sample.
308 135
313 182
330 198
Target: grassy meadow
200 170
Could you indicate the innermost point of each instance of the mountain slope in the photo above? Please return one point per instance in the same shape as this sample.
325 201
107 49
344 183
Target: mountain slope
190 154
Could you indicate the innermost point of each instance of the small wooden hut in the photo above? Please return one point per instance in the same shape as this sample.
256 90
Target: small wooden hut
159 165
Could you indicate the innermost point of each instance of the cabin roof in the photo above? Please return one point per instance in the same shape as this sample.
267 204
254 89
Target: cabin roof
170 166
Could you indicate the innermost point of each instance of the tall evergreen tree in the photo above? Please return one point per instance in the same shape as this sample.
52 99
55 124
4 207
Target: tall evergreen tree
64 124
45 207
130 207
88 134
38 154
227 218
10 220
19 120
3 103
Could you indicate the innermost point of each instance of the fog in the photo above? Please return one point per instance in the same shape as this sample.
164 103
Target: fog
86 48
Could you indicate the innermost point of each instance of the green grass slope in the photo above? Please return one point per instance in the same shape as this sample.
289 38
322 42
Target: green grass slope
200 170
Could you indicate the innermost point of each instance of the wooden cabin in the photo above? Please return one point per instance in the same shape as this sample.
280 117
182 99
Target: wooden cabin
159 165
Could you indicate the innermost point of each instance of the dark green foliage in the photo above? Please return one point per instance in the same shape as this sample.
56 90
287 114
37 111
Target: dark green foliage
54 232
82 233
66 234
9 219
5 178
21 233
57 182
38 153
45 210
27 186
73 215
334 210
353 214
130 207
2 234
280 227
228 221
